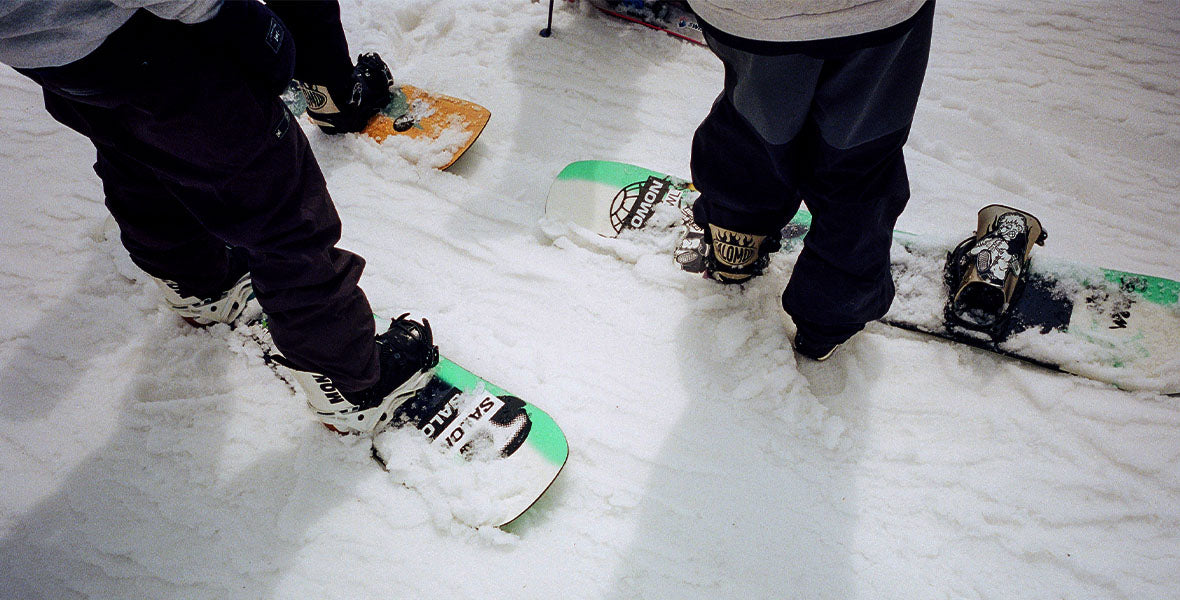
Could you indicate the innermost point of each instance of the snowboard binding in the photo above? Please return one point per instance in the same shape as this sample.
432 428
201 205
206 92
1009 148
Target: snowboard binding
350 110
736 257
987 272
692 249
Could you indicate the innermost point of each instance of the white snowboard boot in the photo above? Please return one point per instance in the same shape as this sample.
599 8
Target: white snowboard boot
407 355
235 305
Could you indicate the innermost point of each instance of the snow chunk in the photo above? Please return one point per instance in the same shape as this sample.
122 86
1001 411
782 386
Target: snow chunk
475 488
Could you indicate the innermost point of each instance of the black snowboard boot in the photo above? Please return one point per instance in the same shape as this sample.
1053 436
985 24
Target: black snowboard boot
350 110
736 257
813 349
407 355
987 271
819 341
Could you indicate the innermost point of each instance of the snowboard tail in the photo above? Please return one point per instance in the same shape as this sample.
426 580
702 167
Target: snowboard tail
1111 326
492 436
1108 325
448 125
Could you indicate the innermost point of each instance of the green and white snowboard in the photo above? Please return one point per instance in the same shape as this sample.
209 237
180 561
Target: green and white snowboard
1112 326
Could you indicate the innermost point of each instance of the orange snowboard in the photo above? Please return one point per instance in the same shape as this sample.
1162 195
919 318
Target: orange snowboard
439 128
417 114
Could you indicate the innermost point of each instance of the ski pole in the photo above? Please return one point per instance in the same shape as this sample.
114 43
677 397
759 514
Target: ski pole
548 30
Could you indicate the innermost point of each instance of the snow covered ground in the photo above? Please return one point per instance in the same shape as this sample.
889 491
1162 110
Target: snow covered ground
143 459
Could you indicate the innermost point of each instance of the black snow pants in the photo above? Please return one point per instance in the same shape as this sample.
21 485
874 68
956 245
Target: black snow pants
197 156
824 123
323 56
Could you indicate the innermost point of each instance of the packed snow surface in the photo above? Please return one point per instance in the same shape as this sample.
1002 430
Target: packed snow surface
141 458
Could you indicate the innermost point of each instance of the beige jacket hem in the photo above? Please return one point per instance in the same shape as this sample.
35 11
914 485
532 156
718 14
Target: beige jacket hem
803 20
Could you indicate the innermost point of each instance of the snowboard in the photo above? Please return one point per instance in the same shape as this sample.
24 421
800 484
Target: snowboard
1108 325
448 126
497 453
670 17
500 453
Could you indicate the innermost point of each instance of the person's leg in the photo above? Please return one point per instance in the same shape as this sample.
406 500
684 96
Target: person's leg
842 278
744 157
341 97
242 169
322 50
746 184
856 184
160 234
